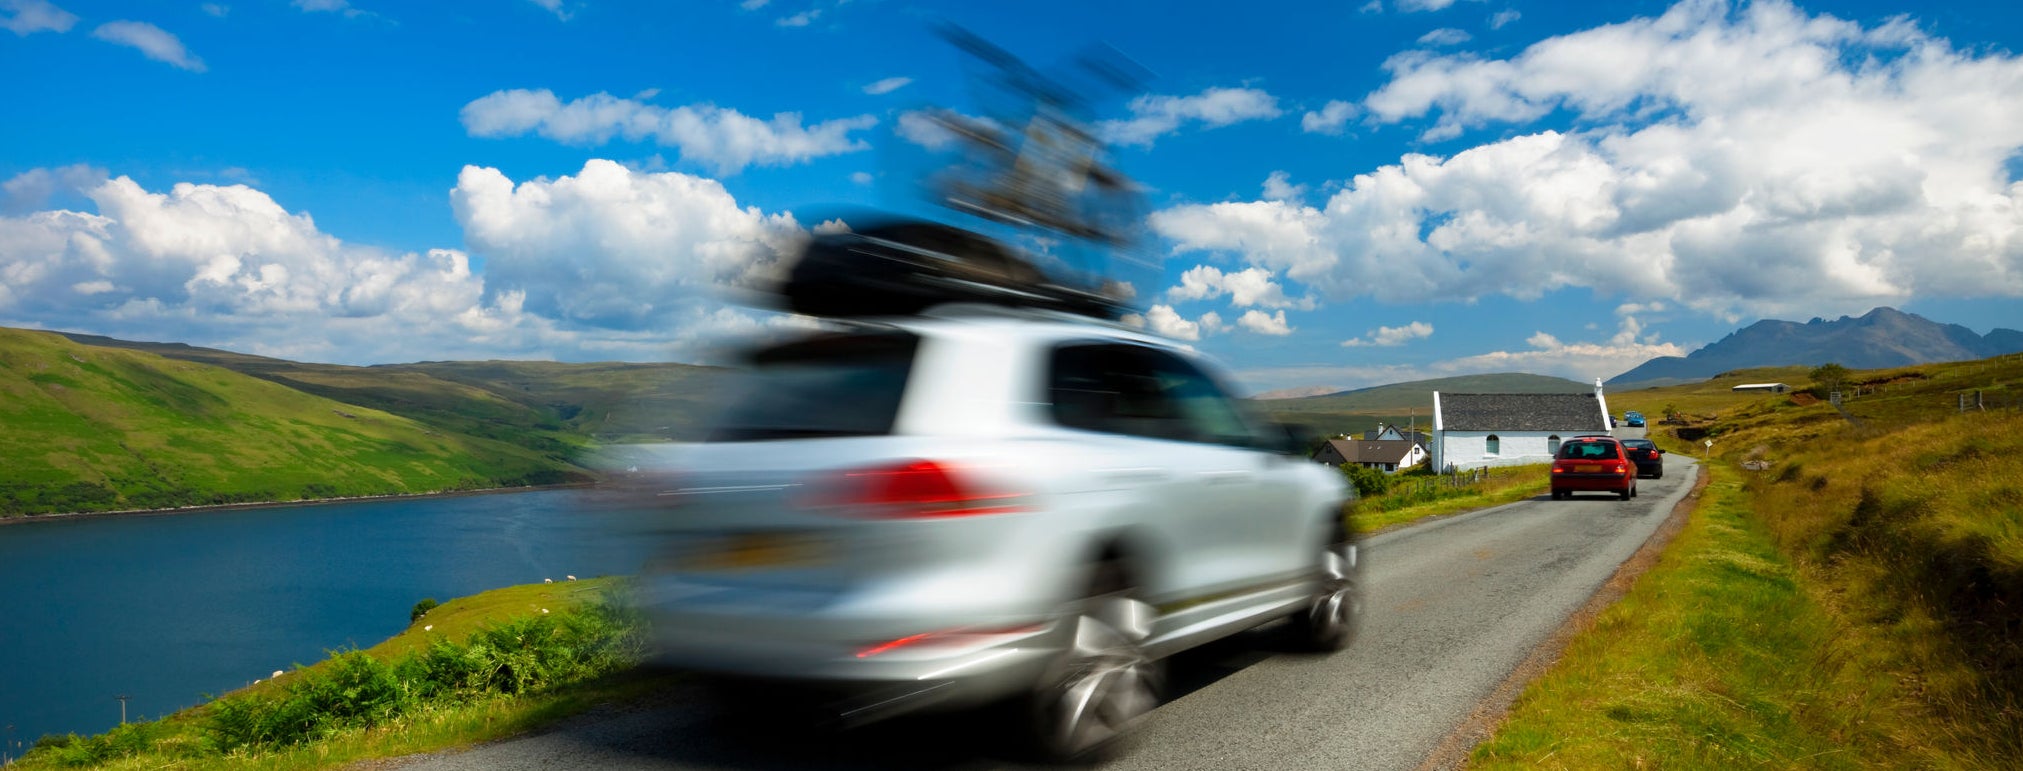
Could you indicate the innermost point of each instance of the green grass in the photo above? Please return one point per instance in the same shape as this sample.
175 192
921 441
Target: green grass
552 407
1403 505
473 669
1852 597
1719 658
98 429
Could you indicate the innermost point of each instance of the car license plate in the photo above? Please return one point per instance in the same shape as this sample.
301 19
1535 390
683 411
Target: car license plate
1586 468
755 551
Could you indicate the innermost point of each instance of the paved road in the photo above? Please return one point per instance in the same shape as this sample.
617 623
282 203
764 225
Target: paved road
1455 606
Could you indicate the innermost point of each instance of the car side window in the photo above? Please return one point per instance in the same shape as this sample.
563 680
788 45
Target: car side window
1210 414
1139 391
1113 389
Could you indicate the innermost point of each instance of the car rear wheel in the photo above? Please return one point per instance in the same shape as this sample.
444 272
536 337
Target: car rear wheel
1328 621
1104 681
1628 492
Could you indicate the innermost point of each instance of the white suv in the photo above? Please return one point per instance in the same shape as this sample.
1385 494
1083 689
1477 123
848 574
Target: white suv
974 505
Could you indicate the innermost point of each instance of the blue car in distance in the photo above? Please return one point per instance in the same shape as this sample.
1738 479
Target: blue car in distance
1634 418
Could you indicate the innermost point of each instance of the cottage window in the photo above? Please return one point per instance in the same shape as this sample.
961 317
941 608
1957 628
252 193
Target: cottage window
1552 445
1495 445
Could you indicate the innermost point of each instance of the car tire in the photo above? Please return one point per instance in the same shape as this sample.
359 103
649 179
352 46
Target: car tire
1329 619
1628 492
1103 681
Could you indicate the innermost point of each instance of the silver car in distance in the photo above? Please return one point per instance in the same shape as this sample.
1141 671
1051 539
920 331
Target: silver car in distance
982 505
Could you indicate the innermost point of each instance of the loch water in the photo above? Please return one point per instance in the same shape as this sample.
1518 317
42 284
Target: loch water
164 609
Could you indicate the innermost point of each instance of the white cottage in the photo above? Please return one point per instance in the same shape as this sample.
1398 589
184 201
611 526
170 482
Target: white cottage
1475 430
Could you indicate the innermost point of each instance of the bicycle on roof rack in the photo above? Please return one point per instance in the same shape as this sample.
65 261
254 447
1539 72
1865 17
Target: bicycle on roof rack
1046 180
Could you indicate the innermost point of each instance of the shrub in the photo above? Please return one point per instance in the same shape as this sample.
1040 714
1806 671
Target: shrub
421 609
1369 482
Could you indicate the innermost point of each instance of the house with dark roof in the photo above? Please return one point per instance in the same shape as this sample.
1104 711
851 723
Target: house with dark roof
1476 430
1387 455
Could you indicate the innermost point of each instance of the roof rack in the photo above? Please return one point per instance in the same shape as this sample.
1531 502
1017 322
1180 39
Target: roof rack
903 268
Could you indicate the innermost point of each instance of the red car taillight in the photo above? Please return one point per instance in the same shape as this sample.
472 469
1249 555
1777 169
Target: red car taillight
1619 468
911 490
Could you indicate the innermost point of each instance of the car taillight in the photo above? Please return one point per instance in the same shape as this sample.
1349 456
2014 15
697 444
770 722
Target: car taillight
911 490
1619 468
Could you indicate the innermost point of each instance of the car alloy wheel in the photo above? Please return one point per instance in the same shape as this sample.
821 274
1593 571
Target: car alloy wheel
1328 623
1104 680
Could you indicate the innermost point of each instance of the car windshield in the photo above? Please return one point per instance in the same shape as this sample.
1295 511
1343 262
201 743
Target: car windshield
1640 444
1579 450
830 385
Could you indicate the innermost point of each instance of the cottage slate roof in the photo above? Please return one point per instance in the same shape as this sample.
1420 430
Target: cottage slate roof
1372 450
1522 412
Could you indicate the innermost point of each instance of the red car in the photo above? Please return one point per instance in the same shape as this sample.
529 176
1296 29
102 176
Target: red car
1593 463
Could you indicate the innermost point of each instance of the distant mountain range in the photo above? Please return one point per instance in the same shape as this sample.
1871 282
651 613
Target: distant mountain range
1879 339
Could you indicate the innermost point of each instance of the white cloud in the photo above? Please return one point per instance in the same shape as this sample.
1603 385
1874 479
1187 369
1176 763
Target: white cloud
33 188
613 247
152 41
862 177
1245 288
1445 36
556 7
1761 162
26 17
753 5
1392 336
1582 361
1164 320
1255 321
1418 6
831 227
1504 17
217 9
1154 116
887 86
725 140
227 266
607 264
1279 187
801 19
1329 119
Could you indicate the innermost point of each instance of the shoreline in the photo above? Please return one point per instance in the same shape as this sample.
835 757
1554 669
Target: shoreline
68 516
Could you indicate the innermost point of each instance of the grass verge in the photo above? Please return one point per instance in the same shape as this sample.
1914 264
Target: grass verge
1407 502
1725 655
474 669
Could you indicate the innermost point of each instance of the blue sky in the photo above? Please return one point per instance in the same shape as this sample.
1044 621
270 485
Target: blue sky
1341 193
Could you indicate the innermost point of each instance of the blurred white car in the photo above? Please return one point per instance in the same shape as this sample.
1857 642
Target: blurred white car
976 504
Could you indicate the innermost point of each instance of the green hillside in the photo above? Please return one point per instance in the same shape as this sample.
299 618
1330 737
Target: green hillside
1395 402
549 406
93 429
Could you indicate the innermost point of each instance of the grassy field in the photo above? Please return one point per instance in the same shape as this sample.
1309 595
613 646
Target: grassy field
549 406
474 669
1413 498
1850 596
98 429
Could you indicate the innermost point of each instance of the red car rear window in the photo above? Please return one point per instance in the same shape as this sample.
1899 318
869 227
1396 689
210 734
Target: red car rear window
1588 450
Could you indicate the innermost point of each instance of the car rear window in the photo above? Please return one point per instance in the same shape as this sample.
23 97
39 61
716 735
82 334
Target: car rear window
826 386
1584 450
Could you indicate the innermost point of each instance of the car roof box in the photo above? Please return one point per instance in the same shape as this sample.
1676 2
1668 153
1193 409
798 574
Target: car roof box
903 268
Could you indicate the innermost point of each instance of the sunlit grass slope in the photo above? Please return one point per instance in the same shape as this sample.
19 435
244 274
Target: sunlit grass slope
550 406
1852 597
94 429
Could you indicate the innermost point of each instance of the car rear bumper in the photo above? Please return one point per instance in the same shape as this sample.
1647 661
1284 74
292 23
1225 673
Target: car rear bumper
1590 482
857 670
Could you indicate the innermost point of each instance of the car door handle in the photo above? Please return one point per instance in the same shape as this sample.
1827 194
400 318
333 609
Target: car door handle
1129 475
1234 476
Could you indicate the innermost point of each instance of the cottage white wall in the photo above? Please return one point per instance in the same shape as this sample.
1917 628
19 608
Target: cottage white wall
1470 449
